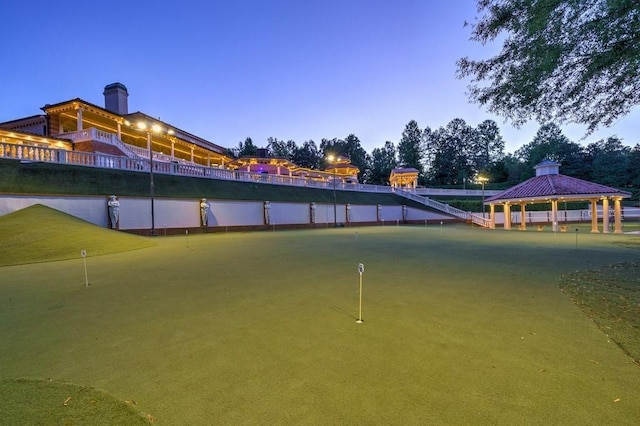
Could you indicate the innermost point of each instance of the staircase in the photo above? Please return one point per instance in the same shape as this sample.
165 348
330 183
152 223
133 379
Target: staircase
446 208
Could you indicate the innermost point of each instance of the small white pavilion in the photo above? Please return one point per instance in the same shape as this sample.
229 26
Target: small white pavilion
549 186
404 177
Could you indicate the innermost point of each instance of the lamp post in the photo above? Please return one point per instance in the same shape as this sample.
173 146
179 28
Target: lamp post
333 159
482 181
149 129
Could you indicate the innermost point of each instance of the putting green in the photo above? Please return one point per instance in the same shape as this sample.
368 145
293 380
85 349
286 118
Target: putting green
462 326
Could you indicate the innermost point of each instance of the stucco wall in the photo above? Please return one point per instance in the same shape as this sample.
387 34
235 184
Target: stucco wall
135 213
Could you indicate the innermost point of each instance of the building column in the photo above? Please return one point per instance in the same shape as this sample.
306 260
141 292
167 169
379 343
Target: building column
119 131
594 217
507 216
79 119
192 154
523 218
208 160
617 214
173 149
492 216
605 215
554 215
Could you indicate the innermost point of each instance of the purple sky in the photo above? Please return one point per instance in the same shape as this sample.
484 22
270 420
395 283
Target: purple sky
290 69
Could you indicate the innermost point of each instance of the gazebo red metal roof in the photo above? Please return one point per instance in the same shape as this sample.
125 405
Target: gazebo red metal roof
554 185
549 186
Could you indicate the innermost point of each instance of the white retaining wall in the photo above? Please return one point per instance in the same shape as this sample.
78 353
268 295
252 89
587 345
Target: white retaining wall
135 213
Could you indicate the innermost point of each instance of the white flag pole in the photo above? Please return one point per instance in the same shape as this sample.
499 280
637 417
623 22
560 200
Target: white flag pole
360 271
83 253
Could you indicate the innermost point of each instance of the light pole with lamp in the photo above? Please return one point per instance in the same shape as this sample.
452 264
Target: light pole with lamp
334 160
149 129
482 181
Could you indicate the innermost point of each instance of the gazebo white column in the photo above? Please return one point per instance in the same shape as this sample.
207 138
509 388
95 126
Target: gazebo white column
492 216
507 216
554 215
605 215
523 220
617 216
594 217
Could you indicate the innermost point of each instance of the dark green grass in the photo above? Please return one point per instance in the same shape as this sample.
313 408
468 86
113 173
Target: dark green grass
48 178
462 326
610 295
46 402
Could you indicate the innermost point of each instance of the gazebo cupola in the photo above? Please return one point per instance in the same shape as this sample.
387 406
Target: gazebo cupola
547 167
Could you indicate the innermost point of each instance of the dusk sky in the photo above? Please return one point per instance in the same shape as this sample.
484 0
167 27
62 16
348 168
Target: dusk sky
227 70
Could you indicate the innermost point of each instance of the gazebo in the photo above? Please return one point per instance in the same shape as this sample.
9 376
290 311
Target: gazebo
404 177
549 186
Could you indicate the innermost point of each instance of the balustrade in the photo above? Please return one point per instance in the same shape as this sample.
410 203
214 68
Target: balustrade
44 154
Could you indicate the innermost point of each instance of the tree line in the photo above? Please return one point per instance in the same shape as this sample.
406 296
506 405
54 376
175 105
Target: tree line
457 154
560 62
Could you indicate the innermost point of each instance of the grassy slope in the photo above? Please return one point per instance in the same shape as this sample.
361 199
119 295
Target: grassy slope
47 402
43 178
41 234
462 326
610 296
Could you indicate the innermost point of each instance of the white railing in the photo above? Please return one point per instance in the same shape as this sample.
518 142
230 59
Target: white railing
41 154
438 206
138 151
93 134
480 220
31 153
455 192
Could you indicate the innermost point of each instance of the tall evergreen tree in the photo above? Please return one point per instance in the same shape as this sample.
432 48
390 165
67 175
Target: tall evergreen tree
451 150
411 148
383 161
280 148
608 162
487 146
246 148
308 156
550 144
352 149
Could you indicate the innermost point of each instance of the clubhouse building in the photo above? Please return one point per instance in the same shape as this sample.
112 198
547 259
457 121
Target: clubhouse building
78 126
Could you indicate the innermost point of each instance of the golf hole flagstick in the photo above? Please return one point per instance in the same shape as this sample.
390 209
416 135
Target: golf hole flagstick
83 253
360 271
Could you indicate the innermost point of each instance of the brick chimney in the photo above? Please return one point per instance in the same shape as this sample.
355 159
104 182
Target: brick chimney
115 98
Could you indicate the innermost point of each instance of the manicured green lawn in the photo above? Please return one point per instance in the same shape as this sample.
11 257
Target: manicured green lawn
462 326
